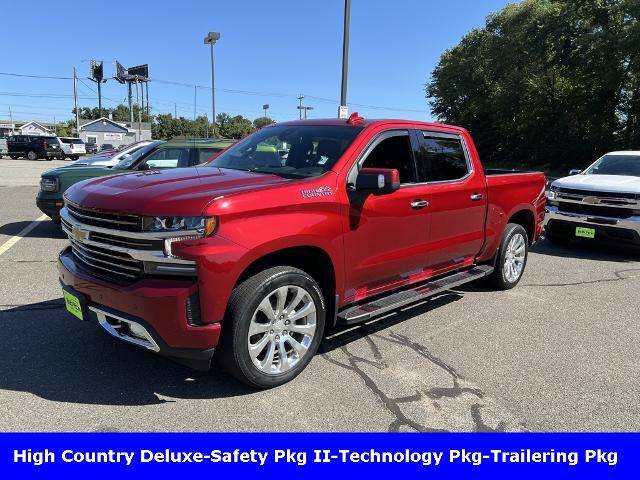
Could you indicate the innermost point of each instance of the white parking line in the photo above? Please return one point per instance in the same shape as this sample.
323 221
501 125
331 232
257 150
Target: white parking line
21 234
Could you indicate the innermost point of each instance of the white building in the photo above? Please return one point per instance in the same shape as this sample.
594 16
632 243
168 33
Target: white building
103 131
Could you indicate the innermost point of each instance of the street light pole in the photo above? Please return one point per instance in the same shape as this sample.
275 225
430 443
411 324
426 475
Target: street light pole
345 58
211 39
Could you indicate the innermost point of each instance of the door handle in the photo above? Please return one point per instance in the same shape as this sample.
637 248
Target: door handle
419 204
476 196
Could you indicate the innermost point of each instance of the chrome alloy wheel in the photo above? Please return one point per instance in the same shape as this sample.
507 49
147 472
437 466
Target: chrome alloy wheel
514 258
282 329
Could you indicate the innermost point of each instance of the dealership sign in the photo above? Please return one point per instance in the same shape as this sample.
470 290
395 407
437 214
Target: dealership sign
113 136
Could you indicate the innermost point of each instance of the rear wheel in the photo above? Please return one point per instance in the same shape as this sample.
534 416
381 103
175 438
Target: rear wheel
511 258
13 157
274 326
31 155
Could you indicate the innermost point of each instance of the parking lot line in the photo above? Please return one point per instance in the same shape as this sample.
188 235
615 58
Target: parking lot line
21 234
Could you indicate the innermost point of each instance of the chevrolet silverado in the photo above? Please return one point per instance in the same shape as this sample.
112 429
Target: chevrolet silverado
297 228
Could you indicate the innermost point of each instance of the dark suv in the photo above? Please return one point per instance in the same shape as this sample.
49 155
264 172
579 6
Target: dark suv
34 147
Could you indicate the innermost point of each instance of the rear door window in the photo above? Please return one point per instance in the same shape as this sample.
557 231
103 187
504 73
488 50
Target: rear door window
441 157
169 158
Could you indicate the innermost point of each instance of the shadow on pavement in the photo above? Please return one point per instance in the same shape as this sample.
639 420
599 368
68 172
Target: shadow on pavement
587 251
45 229
46 352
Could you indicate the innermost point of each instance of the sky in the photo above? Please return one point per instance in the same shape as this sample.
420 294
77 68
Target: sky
269 52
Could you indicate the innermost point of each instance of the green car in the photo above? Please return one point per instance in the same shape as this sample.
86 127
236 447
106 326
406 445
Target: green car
172 154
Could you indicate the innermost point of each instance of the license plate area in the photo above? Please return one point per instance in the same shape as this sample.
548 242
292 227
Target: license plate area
75 303
584 232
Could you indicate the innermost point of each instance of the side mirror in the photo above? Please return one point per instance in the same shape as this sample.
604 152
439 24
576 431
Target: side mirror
574 171
382 180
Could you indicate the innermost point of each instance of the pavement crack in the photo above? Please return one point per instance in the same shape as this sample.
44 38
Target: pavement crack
620 275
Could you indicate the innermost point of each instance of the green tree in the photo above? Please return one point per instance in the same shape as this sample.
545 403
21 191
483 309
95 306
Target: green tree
546 83
262 122
233 127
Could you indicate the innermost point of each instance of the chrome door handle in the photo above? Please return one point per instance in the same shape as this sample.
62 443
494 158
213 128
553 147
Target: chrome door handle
476 196
419 204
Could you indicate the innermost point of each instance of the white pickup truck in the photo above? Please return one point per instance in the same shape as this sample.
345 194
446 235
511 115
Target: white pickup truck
601 203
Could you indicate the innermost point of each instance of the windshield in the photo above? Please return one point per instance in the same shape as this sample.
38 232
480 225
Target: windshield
616 165
129 158
291 151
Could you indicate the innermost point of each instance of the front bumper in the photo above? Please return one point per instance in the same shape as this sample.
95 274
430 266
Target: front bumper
50 207
157 305
613 230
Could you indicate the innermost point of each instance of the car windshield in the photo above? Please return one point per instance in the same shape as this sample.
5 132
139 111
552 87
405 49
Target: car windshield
290 151
616 165
133 156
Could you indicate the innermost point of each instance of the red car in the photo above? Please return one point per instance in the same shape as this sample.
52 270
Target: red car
297 228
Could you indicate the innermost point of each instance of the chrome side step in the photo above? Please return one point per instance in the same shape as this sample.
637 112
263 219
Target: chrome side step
380 306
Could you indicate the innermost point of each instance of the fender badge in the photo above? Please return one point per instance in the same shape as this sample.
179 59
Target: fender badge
317 192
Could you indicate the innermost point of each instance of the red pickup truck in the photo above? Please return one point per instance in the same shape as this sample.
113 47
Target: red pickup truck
297 228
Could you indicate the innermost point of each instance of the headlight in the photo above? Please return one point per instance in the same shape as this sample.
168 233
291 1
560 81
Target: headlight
48 184
551 194
203 225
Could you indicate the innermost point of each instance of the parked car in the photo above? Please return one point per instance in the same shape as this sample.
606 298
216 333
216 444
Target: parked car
34 147
3 147
153 156
72 147
111 158
107 146
253 258
600 204
91 147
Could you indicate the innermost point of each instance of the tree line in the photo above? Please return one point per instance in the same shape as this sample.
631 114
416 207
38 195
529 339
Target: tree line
550 84
165 126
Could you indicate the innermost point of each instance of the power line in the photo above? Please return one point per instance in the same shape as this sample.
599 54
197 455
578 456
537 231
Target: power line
35 76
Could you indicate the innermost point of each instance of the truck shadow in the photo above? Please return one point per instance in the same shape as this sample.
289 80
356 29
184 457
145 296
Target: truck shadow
587 251
45 229
46 352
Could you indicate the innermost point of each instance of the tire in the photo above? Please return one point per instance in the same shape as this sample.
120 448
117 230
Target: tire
75 157
255 304
508 270
31 155
13 157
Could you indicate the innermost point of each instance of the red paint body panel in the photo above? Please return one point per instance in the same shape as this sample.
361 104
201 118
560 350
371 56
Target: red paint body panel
378 244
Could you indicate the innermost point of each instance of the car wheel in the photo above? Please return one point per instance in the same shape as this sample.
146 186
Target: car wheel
511 258
274 327
13 157
31 155
75 157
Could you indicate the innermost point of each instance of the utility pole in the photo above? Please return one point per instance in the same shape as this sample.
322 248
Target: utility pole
11 121
195 98
139 110
130 104
211 39
265 107
75 101
343 112
146 84
300 98
175 110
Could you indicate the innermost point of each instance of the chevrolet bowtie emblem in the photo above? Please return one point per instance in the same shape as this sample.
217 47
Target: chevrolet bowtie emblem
79 233
591 200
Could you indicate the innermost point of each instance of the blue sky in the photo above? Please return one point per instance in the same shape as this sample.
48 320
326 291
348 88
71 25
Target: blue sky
271 51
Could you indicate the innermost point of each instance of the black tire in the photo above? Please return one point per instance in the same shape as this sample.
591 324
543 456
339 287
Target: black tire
232 351
13 157
500 278
75 157
32 155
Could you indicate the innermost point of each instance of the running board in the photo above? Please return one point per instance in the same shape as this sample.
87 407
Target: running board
380 306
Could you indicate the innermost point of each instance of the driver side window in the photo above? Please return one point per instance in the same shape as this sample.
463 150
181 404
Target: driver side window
393 152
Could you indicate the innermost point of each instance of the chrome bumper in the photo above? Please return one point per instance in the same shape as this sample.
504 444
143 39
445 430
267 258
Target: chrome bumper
553 213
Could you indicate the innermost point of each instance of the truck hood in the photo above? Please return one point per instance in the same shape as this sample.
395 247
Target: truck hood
600 183
80 172
176 191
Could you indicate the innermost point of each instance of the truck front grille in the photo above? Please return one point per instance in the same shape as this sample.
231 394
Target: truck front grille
106 262
595 210
597 204
98 218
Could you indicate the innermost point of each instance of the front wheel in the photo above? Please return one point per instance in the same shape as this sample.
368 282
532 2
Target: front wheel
31 155
511 258
274 326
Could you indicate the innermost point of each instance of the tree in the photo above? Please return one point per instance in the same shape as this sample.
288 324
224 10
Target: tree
546 83
233 127
119 114
262 122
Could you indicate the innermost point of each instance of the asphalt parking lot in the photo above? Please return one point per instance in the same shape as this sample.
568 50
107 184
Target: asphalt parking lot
559 352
